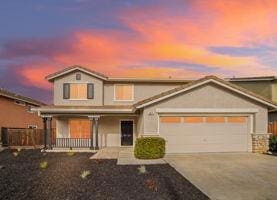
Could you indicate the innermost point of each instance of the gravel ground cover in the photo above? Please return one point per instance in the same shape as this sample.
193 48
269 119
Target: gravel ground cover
30 174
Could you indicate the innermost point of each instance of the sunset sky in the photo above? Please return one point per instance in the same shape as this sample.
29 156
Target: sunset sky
146 38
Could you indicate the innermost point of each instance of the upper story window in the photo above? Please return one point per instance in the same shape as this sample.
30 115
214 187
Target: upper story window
124 92
78 91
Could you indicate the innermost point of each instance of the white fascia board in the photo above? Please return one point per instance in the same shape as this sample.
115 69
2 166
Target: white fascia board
77 68
207 110
68 111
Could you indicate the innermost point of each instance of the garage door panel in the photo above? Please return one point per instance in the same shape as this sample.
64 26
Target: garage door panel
214 139
205 137
205 148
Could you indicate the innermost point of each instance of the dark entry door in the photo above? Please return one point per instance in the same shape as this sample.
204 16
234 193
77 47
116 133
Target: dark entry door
126 133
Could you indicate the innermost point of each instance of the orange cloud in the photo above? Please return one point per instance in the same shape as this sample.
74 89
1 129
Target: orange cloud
158 34
35 76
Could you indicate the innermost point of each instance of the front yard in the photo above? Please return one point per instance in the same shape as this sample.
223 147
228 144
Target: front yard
30 174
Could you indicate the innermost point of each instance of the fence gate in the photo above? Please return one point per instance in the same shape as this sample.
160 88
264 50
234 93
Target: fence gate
272 127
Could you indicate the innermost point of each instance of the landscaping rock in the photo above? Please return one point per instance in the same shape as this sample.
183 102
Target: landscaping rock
22 178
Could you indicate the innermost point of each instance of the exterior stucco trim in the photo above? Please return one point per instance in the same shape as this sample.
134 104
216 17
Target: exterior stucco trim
206 110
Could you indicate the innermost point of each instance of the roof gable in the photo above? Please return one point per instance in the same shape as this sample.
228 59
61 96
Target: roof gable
14 96
203 81
67 70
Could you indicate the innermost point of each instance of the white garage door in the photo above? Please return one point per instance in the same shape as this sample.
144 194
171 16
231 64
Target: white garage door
204 134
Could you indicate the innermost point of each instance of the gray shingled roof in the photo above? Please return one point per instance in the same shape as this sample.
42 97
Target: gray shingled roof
15 96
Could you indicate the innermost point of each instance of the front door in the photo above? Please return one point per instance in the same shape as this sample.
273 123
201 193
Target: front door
126 133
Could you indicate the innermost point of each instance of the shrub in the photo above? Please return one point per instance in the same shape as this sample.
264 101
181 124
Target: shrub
71 153
15 153
150 148
273 143
84 174
142 169
43 164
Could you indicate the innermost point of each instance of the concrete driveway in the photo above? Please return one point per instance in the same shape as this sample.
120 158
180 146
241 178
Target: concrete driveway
229 175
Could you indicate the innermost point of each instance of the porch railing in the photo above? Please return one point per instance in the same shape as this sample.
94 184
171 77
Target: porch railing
72 142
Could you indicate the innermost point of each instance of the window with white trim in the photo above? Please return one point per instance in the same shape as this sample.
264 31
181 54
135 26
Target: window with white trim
123 92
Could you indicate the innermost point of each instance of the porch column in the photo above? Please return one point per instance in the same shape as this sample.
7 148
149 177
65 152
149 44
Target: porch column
96 132
91 132
45 131
49 132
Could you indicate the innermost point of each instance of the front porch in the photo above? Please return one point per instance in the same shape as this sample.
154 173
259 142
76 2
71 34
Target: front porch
91 132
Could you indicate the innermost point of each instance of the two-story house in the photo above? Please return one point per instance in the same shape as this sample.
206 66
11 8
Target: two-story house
205 115
265 86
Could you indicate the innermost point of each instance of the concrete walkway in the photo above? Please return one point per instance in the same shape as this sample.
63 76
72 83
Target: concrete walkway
230 175
107 153
124 156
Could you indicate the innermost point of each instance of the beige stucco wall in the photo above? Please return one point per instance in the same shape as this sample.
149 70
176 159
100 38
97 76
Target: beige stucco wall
209 96
140 124
109 130
274 91
71 78
141 91
262 88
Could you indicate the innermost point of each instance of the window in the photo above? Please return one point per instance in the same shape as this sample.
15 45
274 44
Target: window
193 119
78 76
78 91
79 128
215 119
236 119
123 92
170 119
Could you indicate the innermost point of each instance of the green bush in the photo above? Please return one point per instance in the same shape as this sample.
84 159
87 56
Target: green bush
273 143
150 148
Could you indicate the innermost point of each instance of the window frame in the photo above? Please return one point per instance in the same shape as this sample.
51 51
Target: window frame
122 84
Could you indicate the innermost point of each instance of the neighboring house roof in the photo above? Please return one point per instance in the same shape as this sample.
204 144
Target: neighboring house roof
67 70
197 83
14 96
86 109
258 78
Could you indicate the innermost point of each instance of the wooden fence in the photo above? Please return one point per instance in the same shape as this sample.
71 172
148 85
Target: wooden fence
272 127
24 137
